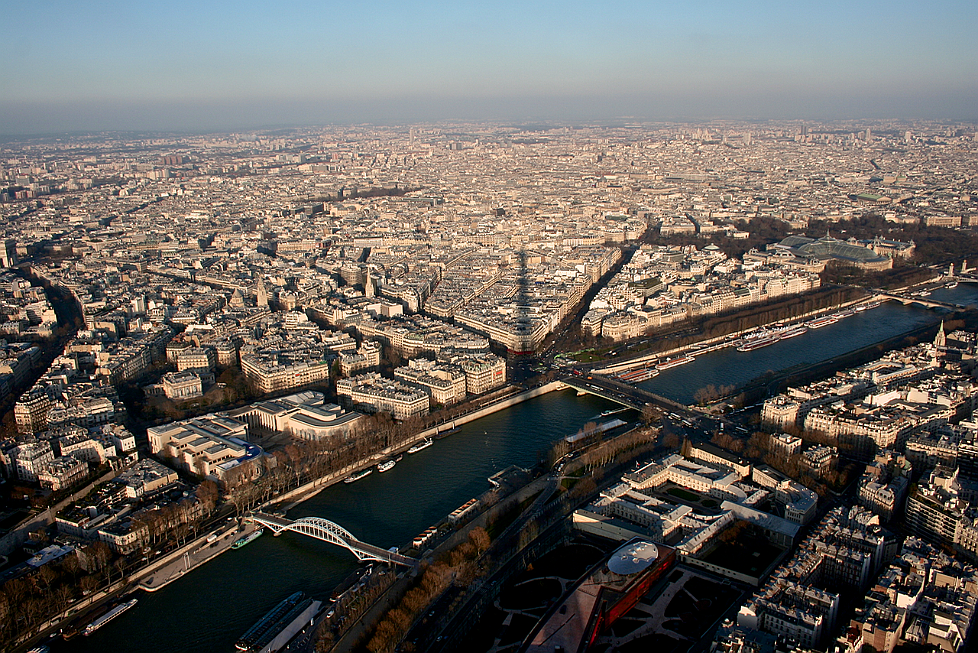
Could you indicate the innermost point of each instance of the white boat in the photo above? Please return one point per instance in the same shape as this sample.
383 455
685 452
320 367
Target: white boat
386 466
794 331
674 362
108 616
758 343
424 444
352 478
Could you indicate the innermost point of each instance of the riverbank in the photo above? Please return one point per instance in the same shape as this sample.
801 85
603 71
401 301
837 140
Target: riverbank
191 556
718 342
307 491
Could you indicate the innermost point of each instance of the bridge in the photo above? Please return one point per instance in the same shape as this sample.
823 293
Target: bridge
622 393
923 301
327 531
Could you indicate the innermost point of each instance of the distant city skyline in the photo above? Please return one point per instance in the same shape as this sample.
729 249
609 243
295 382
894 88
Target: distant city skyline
224 66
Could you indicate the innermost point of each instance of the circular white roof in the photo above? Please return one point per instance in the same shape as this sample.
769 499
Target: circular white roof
633 558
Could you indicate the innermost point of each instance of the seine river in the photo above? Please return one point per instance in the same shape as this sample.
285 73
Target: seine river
209 608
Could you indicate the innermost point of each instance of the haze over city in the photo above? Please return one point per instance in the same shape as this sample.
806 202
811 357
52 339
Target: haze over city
222 65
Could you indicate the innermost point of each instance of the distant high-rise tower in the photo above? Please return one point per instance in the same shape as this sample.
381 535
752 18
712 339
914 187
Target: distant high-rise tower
262 295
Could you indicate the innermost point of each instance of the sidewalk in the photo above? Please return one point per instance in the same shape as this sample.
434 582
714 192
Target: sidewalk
192 556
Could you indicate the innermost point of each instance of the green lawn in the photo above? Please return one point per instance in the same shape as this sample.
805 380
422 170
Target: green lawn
683 494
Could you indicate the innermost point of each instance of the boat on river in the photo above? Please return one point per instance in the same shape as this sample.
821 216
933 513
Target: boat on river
363 473
251 537
386 465
260 635
424 444
760 342
639 375
674 362
818 323
109 616
793 332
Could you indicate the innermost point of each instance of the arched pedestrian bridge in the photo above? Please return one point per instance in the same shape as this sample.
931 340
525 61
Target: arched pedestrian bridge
327 531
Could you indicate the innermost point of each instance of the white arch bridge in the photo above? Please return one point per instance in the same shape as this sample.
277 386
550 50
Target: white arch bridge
327 531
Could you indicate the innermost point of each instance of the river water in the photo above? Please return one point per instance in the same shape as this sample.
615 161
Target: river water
209 608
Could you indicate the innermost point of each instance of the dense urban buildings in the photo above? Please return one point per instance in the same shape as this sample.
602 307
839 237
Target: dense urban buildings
273 308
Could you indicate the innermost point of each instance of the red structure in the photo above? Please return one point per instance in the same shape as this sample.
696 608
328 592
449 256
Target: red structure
609 590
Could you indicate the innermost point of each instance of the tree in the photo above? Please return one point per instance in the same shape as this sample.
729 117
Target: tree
88 584
208 493
649 414
670 440
99 555
479 538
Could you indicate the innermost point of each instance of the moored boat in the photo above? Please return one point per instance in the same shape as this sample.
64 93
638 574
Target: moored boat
795 331
109 616
251 537
639 375
260 635
818 323
424 444
674 362
358 475
386 465
757 344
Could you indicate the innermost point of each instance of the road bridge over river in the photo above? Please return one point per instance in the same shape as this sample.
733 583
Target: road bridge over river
610 388
923 301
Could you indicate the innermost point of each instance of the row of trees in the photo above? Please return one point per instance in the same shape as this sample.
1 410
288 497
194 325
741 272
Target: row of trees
459 566
26 603
710 393
302 461
171 524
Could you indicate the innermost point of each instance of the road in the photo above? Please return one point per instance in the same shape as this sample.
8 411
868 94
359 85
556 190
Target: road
195 557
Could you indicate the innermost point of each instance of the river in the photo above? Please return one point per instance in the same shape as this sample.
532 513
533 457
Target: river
209 608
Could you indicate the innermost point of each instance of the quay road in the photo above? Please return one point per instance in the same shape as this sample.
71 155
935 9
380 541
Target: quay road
193 556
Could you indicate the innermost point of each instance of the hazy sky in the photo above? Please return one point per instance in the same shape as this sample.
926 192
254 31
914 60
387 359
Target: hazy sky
176 64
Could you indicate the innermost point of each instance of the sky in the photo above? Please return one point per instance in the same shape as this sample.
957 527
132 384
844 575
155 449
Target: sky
220 65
